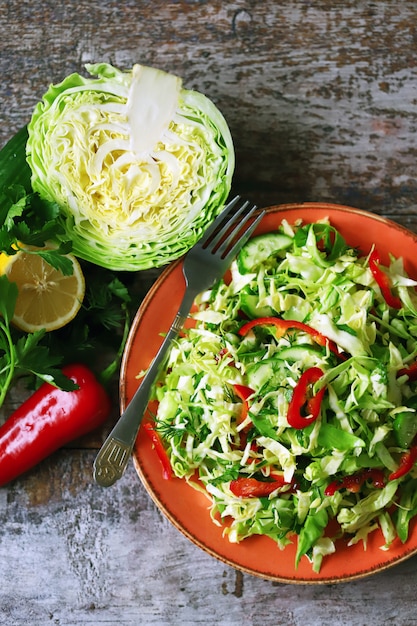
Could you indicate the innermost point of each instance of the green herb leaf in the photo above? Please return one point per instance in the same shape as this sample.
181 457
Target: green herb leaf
33 358
29 220
8 297
57 259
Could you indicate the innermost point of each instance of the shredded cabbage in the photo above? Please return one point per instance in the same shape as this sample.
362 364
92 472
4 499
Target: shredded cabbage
138 165
199 413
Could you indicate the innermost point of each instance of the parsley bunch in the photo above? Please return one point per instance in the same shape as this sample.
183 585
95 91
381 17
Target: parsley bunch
98 332
23 354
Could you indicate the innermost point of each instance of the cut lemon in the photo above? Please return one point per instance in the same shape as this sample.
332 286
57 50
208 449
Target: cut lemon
46 297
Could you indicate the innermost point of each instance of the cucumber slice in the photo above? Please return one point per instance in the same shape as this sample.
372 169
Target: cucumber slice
248 304
14 169
271 370
405 425
405 428
13 165
259 249
260 374
301 353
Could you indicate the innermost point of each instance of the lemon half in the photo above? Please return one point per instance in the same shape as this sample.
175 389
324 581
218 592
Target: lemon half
47 298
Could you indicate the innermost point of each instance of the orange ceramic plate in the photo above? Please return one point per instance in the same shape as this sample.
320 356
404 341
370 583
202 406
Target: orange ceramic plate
187 509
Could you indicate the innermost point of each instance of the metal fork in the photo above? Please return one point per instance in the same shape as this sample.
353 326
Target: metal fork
204 264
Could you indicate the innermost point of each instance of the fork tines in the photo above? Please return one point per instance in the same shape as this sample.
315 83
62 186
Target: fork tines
223 232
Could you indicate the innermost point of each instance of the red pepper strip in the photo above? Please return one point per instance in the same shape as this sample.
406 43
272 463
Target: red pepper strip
301 399
407 461
253 488
244 393
410 371
49 419
284 325
354 483
383 281
159 449
254 448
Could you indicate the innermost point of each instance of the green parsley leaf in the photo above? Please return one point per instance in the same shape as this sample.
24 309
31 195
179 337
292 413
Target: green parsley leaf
32 358
30 220
8 297
57 259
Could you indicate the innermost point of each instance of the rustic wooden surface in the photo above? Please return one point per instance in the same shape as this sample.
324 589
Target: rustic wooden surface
321 99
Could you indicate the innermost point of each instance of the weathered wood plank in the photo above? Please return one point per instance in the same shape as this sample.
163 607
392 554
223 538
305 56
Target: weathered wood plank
321 101
73 554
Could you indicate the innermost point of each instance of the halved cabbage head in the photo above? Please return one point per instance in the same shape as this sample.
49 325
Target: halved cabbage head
138 165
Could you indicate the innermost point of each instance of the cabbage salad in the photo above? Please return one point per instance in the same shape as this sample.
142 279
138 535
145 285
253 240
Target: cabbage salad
293 398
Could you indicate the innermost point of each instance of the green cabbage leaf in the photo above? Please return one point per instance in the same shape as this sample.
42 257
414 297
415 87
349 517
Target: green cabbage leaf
138 165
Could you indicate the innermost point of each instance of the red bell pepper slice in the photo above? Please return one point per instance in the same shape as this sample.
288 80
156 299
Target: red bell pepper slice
159 449
283 326
244 393
301 400
383 281
252 488
407 461
354 482
410 371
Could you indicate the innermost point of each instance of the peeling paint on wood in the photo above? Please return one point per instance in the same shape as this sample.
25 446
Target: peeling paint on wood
321 99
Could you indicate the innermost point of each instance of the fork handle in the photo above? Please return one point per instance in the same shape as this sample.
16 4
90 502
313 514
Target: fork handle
114 455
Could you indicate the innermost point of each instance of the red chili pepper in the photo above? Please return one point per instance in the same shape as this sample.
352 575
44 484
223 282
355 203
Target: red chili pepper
159 449
252 488
49 419
410 371
383 281
407 461
284 325
354 482
300 399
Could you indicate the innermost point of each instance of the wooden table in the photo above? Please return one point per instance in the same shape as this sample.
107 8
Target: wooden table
321 99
